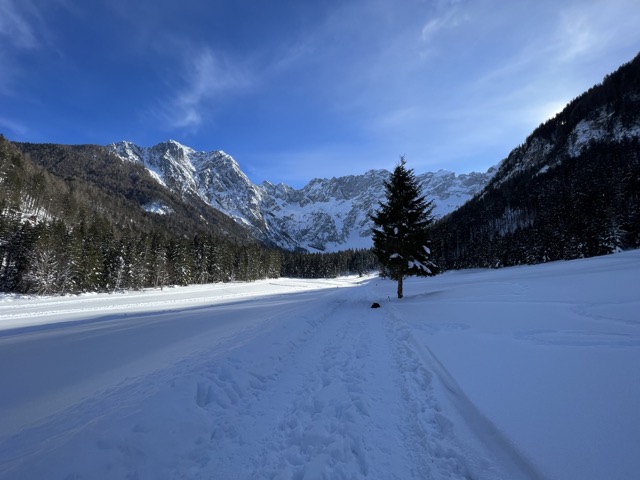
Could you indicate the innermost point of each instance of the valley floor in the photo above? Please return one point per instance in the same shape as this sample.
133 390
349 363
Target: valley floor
519 373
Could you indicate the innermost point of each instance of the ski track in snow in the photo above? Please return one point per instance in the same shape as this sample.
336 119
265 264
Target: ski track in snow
317 385
435 400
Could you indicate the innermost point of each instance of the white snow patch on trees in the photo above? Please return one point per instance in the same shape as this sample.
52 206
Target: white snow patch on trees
157 208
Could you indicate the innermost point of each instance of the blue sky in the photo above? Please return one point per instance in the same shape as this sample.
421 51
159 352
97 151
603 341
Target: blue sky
295 90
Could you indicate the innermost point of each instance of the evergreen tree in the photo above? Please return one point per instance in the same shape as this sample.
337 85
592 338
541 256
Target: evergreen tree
401 228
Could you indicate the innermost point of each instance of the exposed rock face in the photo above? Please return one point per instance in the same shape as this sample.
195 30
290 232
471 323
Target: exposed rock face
325 215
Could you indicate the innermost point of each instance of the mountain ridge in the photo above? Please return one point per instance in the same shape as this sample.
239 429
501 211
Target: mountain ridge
327 214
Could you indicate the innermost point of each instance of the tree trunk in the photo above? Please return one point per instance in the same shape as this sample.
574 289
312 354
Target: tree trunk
400 285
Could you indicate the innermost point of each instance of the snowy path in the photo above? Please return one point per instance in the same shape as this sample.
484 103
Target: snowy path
16 312
522 373
309 385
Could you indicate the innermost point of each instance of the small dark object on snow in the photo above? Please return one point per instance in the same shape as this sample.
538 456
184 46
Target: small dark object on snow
375 305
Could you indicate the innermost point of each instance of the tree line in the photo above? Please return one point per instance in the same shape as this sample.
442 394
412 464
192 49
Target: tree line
329 265
53 258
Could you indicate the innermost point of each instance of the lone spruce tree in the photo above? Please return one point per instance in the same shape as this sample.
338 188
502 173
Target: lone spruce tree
400 235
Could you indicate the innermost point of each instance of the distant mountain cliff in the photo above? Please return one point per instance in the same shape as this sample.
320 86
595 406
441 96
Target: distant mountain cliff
325 215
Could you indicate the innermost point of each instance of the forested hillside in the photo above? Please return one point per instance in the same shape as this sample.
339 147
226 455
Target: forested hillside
79 219
72 225
571 190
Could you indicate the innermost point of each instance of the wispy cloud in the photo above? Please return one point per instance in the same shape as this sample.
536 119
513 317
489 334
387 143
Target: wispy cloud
578 35
23 30
206 78
24 24
449 18
16 23
494 72
587 29
16 33
291 56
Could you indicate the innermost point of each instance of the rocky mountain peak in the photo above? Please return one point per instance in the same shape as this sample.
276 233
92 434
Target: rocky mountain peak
327 214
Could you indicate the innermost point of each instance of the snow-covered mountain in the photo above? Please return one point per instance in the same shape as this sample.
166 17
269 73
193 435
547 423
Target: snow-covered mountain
559 139
325 215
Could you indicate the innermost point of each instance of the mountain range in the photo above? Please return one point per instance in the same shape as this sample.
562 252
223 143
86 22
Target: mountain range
516 195
325 215
90 218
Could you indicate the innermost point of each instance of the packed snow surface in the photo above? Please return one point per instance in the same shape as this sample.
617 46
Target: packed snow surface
518 373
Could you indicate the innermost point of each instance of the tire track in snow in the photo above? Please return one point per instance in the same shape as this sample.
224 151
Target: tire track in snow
433 438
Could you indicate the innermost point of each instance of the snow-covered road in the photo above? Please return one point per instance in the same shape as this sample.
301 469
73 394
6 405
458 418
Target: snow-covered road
529 372
63 363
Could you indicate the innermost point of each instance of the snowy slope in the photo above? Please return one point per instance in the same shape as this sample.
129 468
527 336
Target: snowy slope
325 215
542 151
525 372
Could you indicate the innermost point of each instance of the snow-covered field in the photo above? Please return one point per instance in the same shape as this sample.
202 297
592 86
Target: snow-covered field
525 372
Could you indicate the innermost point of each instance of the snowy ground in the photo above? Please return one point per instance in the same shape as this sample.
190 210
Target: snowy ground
526 372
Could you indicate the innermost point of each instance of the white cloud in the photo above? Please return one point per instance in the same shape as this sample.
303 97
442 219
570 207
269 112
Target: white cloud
591 28
451 18
16 33
15 25
578 34
291 56
206 78
23 30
